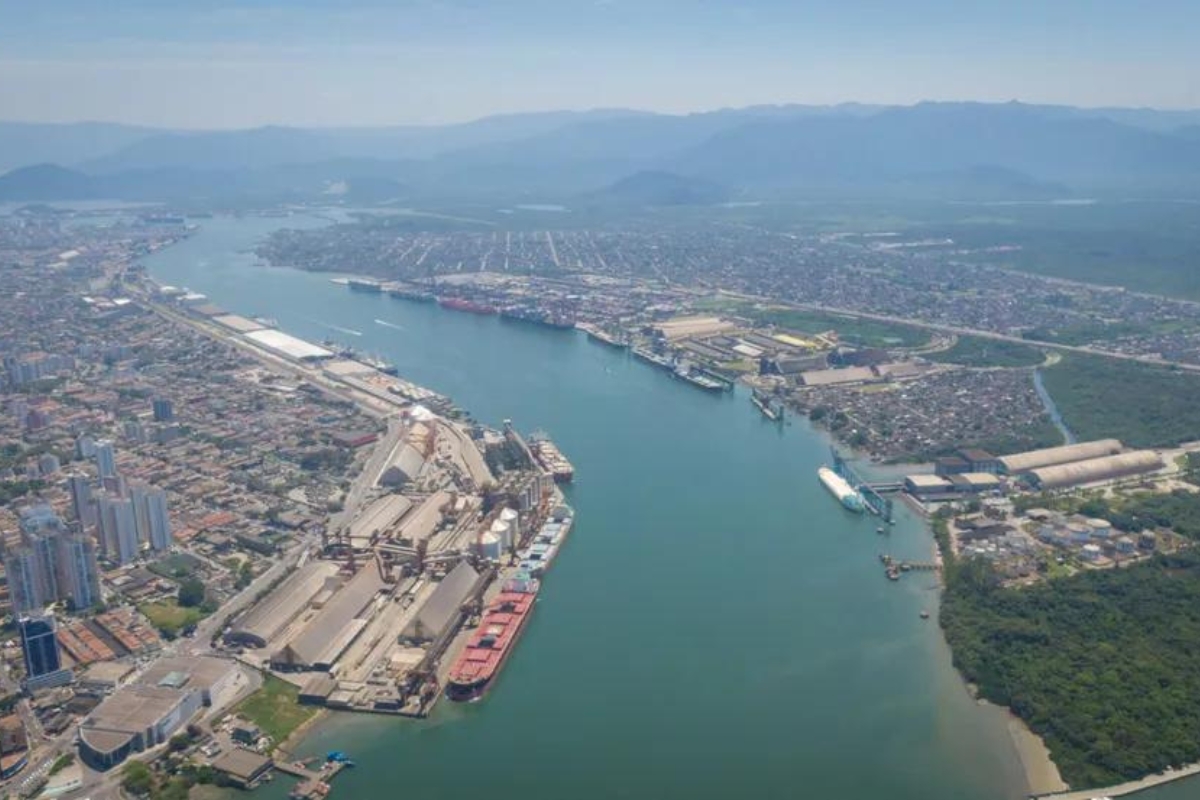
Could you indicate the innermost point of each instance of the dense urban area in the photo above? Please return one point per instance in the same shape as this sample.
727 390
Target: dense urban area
212 529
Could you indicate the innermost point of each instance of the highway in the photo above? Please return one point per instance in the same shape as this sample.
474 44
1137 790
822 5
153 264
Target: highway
959 331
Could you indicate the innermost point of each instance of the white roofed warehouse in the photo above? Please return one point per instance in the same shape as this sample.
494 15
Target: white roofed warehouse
1020 463
1093 470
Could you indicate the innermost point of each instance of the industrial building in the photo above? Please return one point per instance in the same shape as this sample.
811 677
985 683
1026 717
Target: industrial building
935 487
335 626
148 712
378 518
285 345
245 769
1020 463
443 607
1093 470
269 617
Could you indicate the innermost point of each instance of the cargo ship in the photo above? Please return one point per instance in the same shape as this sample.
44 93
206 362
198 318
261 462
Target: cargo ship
410 293
385 367
650 357
470 306
539 555
766 406
598 334
704 382
550 458
363 285
840 488
490 645
537 316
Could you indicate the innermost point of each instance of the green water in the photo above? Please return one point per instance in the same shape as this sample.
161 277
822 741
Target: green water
716 627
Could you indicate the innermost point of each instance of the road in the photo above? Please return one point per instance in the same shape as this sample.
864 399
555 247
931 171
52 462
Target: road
958 331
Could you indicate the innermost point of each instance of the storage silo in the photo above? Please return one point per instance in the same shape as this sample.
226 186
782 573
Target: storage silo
489 546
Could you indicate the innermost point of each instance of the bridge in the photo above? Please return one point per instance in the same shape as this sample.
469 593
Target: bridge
876 502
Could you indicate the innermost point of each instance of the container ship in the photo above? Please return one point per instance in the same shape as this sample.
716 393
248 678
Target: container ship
846 494
470 306
550 458
492 642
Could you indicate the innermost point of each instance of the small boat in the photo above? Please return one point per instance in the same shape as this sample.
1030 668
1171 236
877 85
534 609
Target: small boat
924 614
880 529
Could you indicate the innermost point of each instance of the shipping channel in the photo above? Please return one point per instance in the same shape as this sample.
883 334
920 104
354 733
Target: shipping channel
717 626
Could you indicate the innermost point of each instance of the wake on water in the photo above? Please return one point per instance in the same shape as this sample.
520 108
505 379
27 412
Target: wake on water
387 324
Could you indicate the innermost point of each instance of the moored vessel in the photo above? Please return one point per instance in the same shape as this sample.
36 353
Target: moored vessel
462 304
490 645
550 458
841 489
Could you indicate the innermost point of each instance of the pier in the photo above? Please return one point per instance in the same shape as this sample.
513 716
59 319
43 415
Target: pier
313 784
878 504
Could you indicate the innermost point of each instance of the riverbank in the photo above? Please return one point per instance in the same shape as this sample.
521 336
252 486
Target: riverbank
684 495
1125 789
1041 773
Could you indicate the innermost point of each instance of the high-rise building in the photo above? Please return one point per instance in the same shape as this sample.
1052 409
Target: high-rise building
78 574
85 446
150 516
158 533
39 644
118 529
164 410
27 589
106 458
81 500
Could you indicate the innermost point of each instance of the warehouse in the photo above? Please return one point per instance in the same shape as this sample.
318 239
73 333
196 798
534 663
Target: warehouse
332 630
832 377
1019 463
925 487
405 468
1096 469
275 612
237 323
279 342
443 606
377 519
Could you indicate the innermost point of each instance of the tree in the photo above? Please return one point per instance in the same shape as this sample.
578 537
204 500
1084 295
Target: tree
136 778
191 593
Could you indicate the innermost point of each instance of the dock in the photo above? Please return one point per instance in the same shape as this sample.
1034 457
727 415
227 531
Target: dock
313 784
875 501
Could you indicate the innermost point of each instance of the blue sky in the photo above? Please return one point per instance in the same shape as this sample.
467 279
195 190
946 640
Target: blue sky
362 62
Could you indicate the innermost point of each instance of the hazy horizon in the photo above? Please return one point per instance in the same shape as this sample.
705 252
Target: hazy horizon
315 63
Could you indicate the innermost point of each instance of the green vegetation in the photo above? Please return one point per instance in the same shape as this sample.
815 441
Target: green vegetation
136 778
61 763
191 592
275 708
170 618
1100 664
1141 404
851 330
971 351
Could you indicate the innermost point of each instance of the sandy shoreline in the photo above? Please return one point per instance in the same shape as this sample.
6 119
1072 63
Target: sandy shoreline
1041 773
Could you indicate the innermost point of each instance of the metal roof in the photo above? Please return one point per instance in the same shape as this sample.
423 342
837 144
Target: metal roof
286 344
1097 469
274 612
1050 456
443 605
335 626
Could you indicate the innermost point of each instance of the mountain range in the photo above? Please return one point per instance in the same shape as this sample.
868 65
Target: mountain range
958 150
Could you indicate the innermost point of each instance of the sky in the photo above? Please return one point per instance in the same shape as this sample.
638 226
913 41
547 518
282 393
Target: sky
206 64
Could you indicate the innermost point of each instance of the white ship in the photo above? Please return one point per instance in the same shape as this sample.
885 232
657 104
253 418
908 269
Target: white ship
846 494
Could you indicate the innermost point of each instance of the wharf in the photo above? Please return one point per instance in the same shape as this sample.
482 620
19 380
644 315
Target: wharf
312 784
